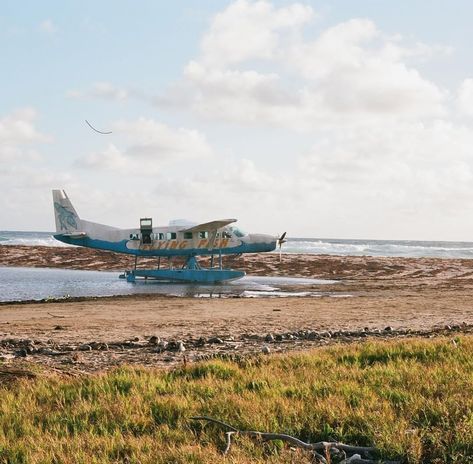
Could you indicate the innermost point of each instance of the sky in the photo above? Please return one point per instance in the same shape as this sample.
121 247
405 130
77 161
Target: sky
333 119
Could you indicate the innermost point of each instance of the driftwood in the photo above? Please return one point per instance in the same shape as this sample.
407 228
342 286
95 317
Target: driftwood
321 451
57 315
10 374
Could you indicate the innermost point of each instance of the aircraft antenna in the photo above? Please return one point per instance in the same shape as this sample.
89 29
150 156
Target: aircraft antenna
93 128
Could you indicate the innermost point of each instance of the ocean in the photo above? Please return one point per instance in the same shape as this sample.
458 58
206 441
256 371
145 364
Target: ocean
406 248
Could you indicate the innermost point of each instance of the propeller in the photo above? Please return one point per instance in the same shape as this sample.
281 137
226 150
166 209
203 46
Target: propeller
280 241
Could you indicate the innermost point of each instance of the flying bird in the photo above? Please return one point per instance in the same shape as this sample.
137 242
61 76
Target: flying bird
93 128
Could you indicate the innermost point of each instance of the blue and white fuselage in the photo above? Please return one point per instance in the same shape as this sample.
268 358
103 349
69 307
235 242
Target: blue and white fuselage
119 240
216 237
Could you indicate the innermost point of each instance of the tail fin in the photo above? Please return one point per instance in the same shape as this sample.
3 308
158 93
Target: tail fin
67 220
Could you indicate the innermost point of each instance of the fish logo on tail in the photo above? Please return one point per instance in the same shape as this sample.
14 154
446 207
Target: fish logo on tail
67 220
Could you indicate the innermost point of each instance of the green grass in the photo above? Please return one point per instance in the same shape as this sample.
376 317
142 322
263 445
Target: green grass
413 400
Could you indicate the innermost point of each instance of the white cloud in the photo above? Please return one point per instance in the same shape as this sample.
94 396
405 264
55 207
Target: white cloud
465 97
26 179
410 166
355 69
248 97
18 127
251 30
47 26
19 135
149 146
349 71
240 178
110 158
232 188
26 201
256 66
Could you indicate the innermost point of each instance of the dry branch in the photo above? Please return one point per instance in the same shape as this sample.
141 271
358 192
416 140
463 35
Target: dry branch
57 315
351 454
9 374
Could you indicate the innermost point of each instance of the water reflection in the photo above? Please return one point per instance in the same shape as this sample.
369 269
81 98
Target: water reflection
21 284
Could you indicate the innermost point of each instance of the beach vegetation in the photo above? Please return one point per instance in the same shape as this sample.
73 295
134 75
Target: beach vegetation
412 399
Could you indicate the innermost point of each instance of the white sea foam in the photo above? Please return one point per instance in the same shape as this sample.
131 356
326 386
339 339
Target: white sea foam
29 239
414 249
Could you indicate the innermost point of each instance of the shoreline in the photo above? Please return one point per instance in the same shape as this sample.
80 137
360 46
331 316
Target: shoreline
366 271
410 296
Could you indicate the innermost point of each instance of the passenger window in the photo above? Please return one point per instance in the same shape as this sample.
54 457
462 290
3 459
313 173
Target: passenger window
160 236
203 234
188 235
171 235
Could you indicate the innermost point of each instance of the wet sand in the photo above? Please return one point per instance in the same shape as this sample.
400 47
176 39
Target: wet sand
389 297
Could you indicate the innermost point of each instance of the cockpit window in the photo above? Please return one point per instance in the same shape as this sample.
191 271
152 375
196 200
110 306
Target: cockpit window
237 232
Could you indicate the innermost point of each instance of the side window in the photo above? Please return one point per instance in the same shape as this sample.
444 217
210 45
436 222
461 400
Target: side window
203 234
188 235
171 235
160 236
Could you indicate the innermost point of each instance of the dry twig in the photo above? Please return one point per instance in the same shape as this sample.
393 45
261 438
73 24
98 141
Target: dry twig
10 374
351 454
57 315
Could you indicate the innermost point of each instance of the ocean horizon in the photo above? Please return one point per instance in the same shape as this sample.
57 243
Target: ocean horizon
328 246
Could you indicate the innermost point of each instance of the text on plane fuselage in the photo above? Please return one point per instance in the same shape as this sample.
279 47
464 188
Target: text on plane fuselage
181 244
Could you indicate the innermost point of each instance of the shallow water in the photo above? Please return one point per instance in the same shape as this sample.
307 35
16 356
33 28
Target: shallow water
22 284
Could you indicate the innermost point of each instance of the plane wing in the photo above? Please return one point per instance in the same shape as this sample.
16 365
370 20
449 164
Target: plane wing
209 226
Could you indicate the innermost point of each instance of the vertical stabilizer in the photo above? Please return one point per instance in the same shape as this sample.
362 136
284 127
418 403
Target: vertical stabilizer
67 220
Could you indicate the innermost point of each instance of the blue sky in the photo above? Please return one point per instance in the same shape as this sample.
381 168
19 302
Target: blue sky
335 119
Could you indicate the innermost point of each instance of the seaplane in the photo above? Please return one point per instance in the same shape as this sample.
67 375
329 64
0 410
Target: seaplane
180 238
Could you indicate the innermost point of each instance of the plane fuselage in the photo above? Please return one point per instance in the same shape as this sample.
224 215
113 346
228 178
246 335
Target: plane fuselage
170 241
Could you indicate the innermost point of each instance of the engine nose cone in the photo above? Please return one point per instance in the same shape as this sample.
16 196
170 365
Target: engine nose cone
261 238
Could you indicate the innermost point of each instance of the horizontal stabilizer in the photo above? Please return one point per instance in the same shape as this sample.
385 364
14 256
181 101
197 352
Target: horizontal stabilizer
75 235
209 226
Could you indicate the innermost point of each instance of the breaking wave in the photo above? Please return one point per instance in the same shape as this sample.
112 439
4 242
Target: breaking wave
412 248
29 239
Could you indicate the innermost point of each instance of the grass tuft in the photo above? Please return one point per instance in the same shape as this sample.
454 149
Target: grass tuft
412 399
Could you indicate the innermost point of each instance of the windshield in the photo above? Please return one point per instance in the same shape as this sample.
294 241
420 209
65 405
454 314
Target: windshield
237 231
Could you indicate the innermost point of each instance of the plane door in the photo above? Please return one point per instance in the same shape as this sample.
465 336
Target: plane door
146 228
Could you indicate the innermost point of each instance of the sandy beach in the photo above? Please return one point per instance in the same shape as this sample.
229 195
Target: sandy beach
373 298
